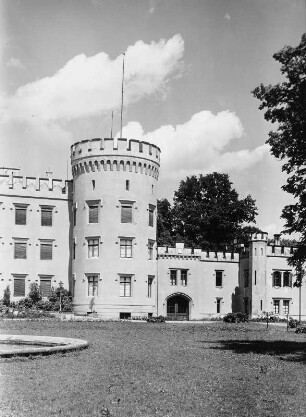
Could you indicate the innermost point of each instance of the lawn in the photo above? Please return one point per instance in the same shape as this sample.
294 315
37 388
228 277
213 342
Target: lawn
158 369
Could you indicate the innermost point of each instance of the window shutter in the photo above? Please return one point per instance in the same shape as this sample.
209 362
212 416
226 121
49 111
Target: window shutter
46 217
20 215
45 286
93 214
20 250
19 287
126 214
45 251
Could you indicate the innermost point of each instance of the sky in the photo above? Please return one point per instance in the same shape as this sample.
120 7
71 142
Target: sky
190 67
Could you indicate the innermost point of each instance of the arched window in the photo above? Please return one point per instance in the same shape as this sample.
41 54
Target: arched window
277 279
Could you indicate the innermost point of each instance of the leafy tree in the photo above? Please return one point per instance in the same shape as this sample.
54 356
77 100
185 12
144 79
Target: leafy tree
285 104
208 213
164 223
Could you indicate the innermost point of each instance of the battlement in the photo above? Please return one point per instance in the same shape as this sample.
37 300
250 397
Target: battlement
196 254
16 184
115 155
262 236
283 251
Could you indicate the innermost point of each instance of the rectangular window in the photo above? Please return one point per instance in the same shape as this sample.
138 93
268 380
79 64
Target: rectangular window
21 214
20 250
126 213
184 277
93 247
287 279
73 248
276 306
218 301
93 281
173 277
126 248
151 215
277 279
46 215
246 278
219 276
125 286
150 282
151 249
19 285
286 306
46 249
255 278
93 213
45 285
127 185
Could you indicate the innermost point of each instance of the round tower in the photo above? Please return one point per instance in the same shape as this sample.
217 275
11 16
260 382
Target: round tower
114 227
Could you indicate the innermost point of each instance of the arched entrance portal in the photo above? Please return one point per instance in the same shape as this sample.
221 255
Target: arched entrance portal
178 307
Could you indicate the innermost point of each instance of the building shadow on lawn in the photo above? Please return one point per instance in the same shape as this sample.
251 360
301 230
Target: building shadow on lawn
285 350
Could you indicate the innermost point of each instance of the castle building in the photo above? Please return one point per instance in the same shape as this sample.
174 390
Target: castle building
96 235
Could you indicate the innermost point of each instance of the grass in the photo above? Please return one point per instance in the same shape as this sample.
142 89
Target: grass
143 370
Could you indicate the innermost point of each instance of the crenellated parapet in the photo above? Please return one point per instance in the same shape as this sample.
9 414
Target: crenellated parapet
17 184
115 155
180 252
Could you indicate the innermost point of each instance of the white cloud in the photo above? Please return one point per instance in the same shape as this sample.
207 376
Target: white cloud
15 63
87 86
199 145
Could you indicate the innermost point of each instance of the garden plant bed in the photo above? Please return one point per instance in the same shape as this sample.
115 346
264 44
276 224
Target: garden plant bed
158 369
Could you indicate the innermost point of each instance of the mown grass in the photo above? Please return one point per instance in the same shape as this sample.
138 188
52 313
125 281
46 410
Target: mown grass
140 369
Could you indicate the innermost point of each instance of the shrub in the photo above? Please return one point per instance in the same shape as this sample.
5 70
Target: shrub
7 296
236 318
34 294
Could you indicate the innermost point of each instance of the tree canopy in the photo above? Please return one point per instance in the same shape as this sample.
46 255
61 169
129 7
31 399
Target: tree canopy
285 105
206 213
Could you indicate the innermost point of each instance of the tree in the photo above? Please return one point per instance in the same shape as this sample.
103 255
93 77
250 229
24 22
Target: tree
7 296
207 212
164 223
34 293
285 104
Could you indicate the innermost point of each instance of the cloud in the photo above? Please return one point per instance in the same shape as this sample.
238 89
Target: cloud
87 86
199 145
15 63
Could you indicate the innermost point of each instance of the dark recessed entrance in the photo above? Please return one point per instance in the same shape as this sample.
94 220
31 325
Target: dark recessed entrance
178 308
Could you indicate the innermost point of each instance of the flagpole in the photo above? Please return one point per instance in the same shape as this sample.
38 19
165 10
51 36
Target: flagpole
122 95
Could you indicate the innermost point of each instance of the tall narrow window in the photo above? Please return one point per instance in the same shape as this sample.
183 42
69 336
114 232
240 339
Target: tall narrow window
93 182
46 249
93 247
151 215
261 305
219 276
93 281
246 278
286 306
19 285
218 302
255 277
287 279
125 286
150 282
20 249
276 306
173 277
184 277
126 248
126 213
150 249
46 215
20 214
277 279
45 285
93 212
74 214
127 185
74 248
